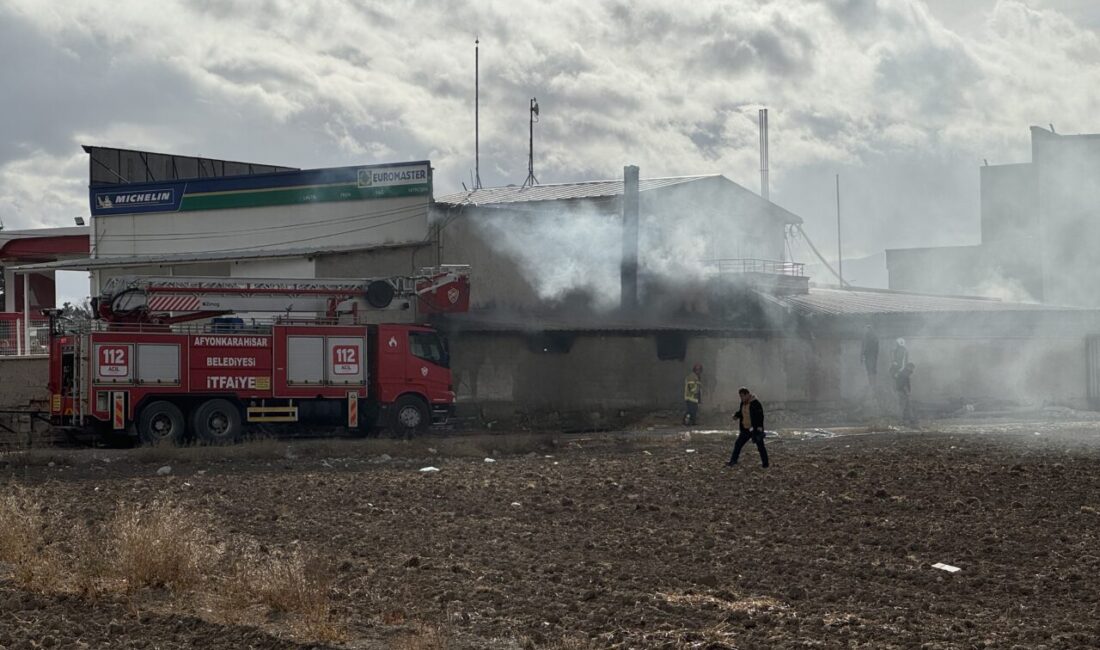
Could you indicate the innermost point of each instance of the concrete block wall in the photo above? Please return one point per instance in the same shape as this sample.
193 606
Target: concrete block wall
23 382
23 387
499 373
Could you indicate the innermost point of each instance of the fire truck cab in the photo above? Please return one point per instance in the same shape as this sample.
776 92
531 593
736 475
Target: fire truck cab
139 370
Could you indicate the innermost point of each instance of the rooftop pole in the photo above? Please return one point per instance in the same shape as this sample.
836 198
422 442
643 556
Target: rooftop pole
477 115
531 180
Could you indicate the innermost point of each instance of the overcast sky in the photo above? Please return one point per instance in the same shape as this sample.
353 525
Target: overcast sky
903 98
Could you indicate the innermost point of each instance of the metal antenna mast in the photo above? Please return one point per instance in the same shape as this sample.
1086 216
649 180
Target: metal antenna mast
765 191
477 115
531 180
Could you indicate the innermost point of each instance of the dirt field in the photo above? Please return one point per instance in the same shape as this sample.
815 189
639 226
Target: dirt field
629 541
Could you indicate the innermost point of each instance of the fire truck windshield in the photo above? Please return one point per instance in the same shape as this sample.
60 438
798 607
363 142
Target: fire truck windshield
429 346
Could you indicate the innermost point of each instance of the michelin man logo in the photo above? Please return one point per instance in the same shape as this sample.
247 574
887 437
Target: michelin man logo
104 201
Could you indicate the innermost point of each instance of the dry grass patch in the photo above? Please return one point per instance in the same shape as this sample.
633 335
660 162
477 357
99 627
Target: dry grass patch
259 448
421 637
503 444
566 642
37 457
572 643
477 446
161 545
21 525
749 605
23 543
93 572
293 584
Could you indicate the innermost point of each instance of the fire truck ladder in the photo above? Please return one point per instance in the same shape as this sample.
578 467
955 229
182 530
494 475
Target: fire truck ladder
169 299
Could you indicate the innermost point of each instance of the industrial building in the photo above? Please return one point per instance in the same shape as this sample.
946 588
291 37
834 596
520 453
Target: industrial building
1036 220
162 214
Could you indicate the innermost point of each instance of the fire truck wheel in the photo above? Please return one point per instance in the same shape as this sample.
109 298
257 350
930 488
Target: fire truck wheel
410 415
161 422
217 422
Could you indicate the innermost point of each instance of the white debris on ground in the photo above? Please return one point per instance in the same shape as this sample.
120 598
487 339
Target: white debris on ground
490 460
164 471
946 567
429 469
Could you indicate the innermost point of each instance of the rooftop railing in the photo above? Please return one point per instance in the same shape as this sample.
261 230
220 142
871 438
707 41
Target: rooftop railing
766 267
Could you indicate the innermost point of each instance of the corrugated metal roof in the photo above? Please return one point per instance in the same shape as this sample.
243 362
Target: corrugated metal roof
497 196
558 191
866 302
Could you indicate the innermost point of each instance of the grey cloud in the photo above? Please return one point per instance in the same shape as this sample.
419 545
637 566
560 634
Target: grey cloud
251 71
935 76
823 127
778 47
72 82
350 54
632 19
855 13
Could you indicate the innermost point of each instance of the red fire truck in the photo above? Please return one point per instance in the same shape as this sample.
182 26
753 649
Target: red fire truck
170 358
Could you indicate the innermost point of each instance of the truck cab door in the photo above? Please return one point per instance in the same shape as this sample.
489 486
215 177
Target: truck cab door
429 365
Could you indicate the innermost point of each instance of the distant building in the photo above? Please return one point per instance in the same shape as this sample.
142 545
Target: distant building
1038 225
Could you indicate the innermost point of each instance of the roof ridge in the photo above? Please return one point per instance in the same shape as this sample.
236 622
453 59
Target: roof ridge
588 182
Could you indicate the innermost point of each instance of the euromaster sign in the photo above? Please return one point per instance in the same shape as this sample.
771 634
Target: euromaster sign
279 188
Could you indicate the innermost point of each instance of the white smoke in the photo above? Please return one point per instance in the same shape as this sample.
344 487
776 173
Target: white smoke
681 234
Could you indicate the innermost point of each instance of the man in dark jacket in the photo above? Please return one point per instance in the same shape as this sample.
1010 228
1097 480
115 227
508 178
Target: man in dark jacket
750 417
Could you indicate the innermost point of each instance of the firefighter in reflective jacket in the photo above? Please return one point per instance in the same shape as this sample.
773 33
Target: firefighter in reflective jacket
693 392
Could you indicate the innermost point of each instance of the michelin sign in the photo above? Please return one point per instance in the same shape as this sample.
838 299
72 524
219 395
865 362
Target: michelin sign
123 200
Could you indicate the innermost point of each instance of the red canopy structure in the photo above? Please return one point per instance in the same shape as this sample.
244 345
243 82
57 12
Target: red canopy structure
32 291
